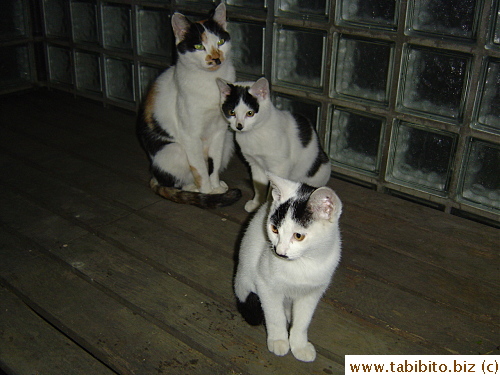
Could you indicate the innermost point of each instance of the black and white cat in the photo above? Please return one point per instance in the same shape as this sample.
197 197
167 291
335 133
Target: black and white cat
272 140
180 125
287 257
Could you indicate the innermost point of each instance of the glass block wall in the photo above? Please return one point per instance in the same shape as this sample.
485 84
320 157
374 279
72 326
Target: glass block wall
404 93
17 46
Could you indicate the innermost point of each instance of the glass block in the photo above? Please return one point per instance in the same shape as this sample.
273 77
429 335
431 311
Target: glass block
155 35
16 67
298 57
116 26
247 46
381 13
88 72
433 83
147 75
310 110
120 79
444 17
421 158
13 19
56 18
84 17
59 64
355 140
256 4
362 69
480 180
303 8
496 25
488 117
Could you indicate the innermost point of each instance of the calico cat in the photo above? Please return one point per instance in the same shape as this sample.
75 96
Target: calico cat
287 257
272 140
180 125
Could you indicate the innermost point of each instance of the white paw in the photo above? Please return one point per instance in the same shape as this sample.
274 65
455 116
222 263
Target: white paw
306 353
251 206
221 189
191 187
278 347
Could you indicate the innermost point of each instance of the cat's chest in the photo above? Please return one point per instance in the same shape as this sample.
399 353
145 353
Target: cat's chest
296 276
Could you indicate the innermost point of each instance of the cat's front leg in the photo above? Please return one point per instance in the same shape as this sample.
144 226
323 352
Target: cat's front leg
198 166
216 151
276 324
303 310
260 186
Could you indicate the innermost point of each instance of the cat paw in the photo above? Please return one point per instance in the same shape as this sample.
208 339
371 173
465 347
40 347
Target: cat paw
278 347
219 190
191 187
251 206
306 353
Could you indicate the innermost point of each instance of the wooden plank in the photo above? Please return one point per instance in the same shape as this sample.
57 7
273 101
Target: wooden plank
30 345
217 280
215 268
455 228
214 325
114 334
82 174
70 200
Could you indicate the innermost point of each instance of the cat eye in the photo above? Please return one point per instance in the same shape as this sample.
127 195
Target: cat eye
199 47
274 229
299 236
250 113
220 42
232 113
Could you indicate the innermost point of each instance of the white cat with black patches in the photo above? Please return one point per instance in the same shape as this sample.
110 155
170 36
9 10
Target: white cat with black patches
272 140
287 257
180 125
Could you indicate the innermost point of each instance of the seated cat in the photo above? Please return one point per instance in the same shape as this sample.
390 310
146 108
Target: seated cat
272 140
180 125
287 257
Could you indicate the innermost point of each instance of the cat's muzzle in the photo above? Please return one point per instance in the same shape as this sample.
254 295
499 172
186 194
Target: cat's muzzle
284 256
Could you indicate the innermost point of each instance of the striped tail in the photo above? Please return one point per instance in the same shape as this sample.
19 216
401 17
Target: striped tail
196 199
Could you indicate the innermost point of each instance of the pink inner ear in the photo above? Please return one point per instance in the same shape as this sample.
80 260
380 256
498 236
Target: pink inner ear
179 26
223 87
260 89
324 208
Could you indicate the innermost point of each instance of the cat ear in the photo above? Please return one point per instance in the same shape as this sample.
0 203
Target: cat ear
282 189
325 204
180 25
220 15
260 89
224 87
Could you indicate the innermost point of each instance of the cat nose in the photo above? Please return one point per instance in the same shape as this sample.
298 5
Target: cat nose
280 255
239 126
216 61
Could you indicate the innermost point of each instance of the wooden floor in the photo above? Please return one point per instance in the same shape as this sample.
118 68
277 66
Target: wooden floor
100 276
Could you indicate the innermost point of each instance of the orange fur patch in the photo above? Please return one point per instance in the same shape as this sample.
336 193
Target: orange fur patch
196 175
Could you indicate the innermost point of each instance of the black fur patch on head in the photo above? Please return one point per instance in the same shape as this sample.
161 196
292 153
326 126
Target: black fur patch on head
237 94
195 35
297 206
217 29
305 129
191 38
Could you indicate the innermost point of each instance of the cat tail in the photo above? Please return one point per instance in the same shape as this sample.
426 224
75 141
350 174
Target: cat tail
196 199
251 310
